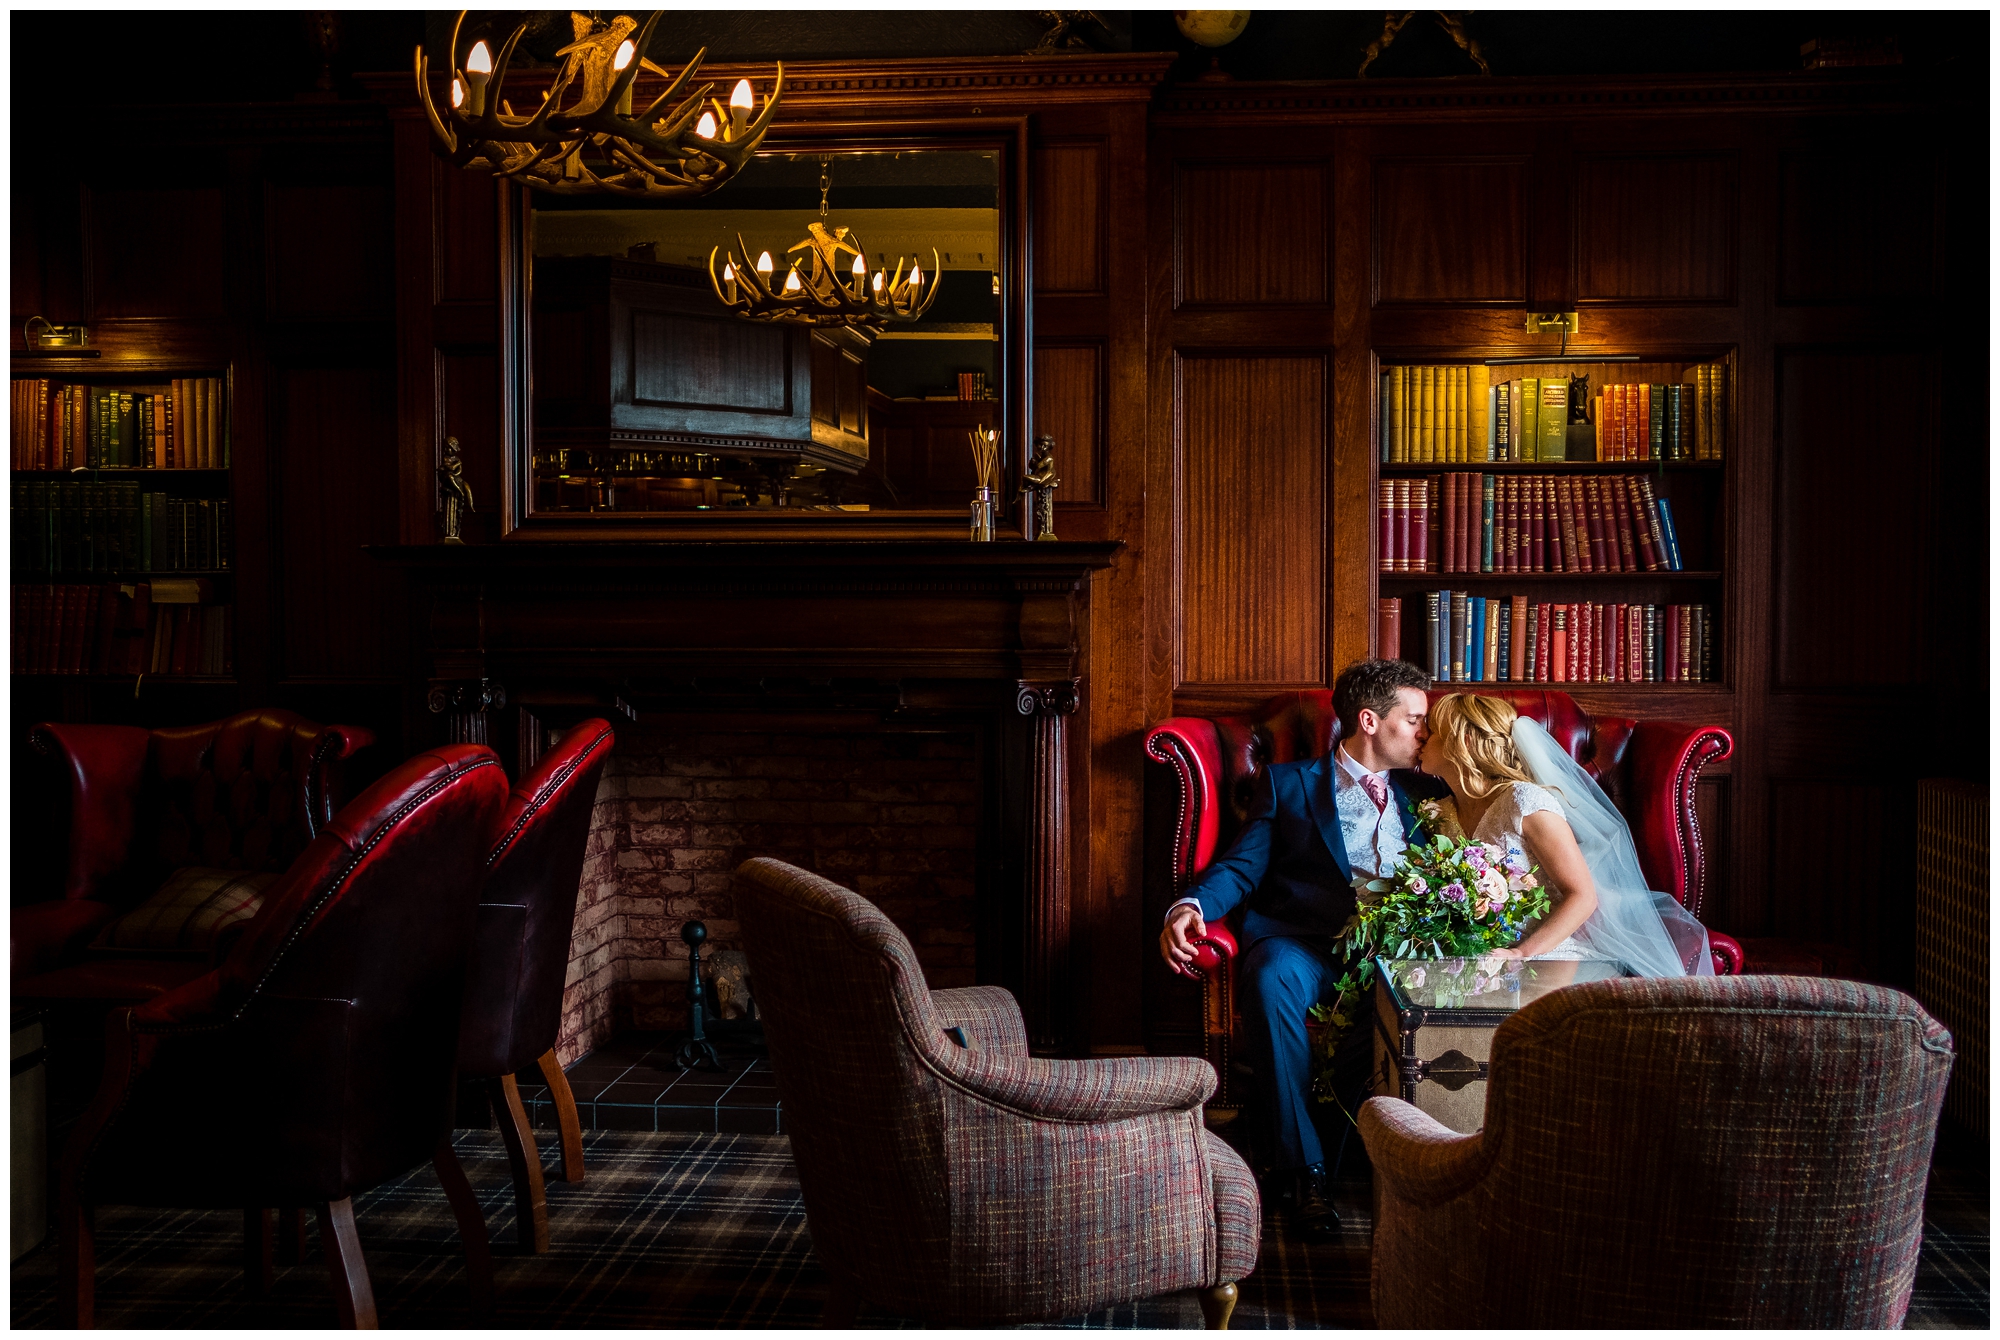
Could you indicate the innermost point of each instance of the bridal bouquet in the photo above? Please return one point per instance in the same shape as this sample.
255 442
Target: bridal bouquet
1446 898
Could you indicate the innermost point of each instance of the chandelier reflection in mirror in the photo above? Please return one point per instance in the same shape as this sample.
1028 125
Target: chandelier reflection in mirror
832 290
596 145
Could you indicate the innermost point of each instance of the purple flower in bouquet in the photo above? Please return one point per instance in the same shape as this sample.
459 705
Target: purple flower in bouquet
1454 892
1475 855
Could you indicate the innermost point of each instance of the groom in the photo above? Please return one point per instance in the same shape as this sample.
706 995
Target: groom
1316 828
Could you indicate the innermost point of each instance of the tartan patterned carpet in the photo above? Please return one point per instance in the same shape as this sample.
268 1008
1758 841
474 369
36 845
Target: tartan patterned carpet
686 1230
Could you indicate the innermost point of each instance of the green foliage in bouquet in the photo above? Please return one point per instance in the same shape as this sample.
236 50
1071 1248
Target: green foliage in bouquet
1446 898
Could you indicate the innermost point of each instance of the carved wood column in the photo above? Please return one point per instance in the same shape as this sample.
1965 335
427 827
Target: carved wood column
1046 998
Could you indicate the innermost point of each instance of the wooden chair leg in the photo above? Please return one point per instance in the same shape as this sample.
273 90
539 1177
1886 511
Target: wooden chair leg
471 1224
566 1119
531 1209
256 1250
353 1296
76 1265
1216 1305
292 1234
843 1304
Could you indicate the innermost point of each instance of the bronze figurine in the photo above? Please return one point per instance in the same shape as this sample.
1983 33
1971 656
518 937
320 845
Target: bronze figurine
457 493
1042 483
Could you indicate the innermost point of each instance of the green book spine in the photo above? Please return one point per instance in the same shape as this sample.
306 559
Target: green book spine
1553 420
1657 429
96 427
1486 523
1675 411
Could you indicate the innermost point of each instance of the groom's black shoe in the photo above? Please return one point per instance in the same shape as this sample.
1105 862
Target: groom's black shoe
1313 1212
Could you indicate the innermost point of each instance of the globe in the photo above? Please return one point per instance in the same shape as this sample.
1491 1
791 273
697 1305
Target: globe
1211 27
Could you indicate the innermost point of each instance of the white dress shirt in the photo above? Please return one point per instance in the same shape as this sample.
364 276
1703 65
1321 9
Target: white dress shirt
1374 838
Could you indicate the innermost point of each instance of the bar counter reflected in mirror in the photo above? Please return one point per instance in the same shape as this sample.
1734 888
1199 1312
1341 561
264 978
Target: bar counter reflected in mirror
652 396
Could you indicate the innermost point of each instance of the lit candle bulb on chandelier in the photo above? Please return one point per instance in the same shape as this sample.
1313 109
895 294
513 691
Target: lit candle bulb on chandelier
739 108
860 272
916 277
764 267
618 63
458 93
729 278
792 284
706 126
478 69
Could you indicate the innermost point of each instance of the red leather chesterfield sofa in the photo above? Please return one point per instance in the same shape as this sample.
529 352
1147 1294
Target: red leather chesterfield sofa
1648 768
244 793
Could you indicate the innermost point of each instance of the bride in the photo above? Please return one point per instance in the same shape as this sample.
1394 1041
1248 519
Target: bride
1513 786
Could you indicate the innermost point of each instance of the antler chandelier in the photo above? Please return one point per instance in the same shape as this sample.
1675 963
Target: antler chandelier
596 145
821 296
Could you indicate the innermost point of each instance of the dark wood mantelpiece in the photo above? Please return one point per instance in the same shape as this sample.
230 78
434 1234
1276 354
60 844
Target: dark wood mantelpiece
992 634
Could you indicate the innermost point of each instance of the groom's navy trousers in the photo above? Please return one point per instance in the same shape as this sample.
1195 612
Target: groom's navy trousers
1289 873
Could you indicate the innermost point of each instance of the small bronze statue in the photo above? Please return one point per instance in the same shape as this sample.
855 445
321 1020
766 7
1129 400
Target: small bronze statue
1579 399
457 493
1041 483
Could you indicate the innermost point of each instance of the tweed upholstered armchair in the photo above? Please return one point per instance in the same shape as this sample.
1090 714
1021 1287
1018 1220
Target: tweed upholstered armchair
951 1177
1683 1152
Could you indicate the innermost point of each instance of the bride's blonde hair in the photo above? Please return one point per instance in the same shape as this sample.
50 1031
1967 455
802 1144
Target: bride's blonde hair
1478 735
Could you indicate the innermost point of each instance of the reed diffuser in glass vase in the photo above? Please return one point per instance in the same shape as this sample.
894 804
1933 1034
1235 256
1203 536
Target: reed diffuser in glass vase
985 460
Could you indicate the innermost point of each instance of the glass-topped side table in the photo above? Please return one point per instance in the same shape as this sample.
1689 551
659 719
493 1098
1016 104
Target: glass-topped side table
1434 1022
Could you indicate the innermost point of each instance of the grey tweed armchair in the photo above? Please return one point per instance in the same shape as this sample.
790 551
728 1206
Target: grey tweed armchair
951 1177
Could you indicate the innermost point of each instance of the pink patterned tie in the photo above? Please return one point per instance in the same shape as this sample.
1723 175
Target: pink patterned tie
1377 789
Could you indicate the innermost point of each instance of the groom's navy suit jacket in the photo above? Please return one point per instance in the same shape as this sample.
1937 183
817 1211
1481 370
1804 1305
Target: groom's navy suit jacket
1288 868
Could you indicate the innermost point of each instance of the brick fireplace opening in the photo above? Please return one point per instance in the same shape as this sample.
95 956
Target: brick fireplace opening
891 812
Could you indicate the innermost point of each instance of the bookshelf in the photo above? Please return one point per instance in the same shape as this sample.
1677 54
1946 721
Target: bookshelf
1533 528
122 517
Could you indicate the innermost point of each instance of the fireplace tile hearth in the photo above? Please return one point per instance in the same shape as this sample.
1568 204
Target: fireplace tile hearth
632 1084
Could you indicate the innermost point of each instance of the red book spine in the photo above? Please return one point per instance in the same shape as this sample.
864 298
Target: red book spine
1642 536
1609 622
1614 428
1560 658
1517 646
1451 521
1617 505
1389 627
1593 520
1670 654
1511 491
1403 525
1537 523
1420 530
1575 558
1385 528
1545 626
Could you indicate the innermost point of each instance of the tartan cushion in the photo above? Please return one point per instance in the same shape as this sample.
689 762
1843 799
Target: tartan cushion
189 913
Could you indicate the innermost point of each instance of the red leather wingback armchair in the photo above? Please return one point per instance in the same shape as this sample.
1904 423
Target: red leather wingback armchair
245 793
520 955
1209 765
316 1061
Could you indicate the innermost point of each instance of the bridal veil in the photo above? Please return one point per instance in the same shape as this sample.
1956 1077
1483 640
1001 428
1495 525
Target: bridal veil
1646 929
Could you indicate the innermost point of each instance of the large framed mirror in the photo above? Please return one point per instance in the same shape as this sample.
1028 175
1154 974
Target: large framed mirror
643 404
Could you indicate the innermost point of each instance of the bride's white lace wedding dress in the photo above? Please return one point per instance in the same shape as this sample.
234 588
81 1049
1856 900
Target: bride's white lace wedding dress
1646 930
1501 825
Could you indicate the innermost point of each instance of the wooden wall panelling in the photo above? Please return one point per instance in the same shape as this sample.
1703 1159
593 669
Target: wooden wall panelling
157 250
1860 216
1069 405
1655 227
1113 915
1252 233
329 247
1071 216
340 616
1841 861
1451 229
1252 567
1849 601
